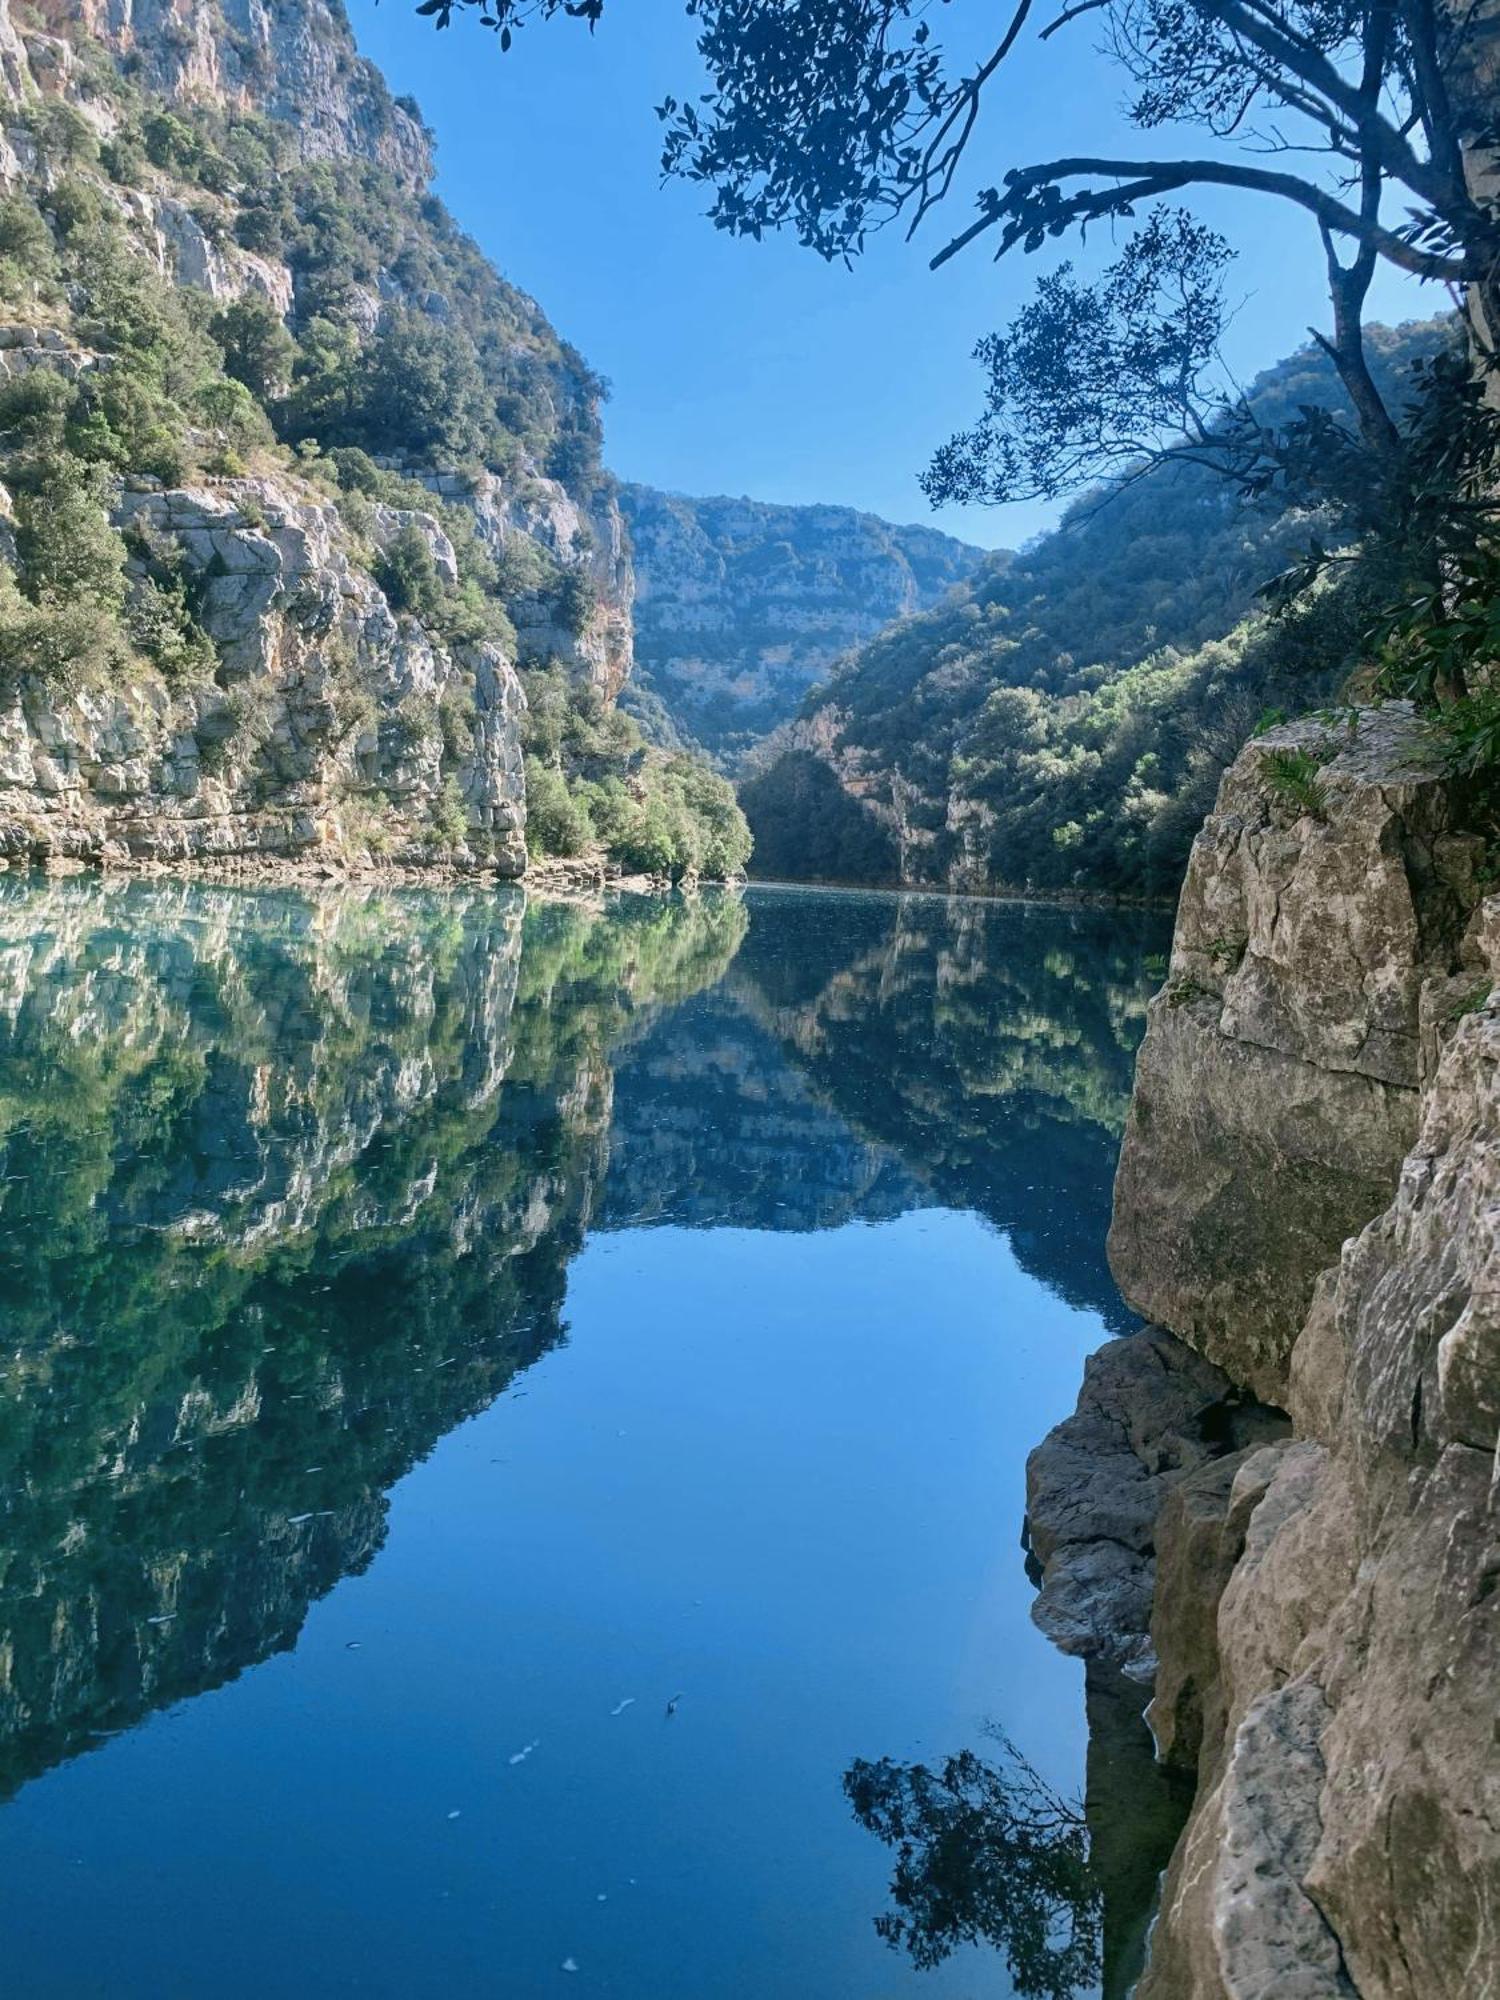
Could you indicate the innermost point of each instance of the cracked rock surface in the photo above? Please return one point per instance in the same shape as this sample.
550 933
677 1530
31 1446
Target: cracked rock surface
1326 1605
1276 1090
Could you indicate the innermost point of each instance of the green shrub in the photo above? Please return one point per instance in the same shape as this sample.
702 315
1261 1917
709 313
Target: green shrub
556 823
161 626
24 235
258 351
407 572
123 159
576 600
68 550
63 133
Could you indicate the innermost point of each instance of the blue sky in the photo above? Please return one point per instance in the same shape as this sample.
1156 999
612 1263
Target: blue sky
755 368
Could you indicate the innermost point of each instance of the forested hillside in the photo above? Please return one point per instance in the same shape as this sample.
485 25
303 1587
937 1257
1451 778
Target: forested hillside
742 605
1061 722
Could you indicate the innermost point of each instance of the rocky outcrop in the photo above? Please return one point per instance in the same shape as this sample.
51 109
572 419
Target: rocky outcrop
294 61
1349 1669
745 605
321 735
1152 1417
1325 1617
592 539
1276 1091
326 715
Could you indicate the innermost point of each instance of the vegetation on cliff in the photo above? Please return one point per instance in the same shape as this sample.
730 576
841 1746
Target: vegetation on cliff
191 297
1063 722
743 605
593 780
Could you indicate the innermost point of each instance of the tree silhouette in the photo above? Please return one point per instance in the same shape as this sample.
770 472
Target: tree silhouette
986 1853
836 118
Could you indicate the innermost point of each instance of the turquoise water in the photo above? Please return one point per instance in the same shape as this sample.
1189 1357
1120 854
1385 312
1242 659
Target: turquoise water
502 1409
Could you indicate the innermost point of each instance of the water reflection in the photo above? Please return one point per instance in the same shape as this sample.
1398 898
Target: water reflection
986 1852
977 1055
289 1189
290 1186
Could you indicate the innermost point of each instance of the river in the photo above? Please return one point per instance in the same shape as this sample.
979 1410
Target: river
513 1435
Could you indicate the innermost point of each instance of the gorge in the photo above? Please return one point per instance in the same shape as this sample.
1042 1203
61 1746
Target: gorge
691 1436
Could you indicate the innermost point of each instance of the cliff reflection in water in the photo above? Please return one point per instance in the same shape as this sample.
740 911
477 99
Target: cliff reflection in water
291 1184
900 1051
290 1187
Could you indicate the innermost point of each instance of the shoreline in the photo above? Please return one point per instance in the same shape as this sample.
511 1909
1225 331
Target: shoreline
554 878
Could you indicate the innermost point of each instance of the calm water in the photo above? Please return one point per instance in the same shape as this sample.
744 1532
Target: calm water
503 1409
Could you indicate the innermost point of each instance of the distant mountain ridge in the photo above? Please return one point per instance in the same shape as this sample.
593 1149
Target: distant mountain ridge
743 605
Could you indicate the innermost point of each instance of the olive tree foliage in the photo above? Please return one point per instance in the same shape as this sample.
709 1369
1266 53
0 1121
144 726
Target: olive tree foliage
837 118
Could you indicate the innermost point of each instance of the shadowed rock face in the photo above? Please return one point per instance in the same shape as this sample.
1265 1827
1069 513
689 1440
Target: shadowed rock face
1357 1642
1324 1610
1152 1416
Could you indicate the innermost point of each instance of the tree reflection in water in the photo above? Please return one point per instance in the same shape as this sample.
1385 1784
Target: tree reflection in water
986 1853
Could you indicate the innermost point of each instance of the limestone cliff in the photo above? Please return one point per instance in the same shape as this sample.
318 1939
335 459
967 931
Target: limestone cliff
744 605
1276 1090
352 476
1323 1626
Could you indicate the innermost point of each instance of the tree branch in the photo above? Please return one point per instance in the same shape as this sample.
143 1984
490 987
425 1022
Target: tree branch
1139 180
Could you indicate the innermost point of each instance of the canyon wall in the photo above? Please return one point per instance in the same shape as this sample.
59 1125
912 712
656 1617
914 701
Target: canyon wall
337 551
744 605
1308 1204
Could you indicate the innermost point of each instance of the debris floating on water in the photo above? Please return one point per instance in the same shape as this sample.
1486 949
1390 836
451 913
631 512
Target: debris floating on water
524 1752
570 1965
621 1706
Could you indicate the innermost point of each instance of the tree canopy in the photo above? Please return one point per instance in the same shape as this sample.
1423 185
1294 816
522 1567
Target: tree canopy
837 118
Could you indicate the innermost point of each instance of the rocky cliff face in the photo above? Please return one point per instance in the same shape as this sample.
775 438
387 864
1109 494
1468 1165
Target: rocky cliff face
1323 1628
319 735
293 60
744 605
341 685
1277 1089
